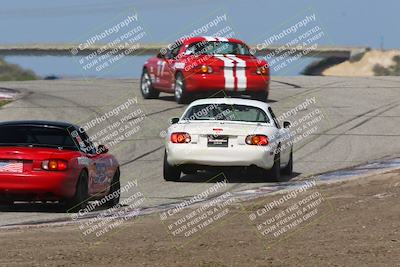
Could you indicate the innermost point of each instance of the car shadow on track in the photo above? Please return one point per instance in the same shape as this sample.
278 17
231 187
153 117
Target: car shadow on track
171 98
213 177
39 207
34 207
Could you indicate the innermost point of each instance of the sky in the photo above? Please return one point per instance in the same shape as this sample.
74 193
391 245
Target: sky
344 23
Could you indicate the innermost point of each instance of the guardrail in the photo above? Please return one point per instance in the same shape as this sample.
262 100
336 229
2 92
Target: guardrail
153 49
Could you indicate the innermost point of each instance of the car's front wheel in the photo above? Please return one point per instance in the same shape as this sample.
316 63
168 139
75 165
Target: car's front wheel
146 86
171 173
7 203
189 172
114 194
180 89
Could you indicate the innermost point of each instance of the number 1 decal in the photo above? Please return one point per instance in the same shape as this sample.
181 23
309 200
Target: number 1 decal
160 67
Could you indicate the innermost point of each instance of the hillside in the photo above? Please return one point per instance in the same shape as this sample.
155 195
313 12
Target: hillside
372 63
13 72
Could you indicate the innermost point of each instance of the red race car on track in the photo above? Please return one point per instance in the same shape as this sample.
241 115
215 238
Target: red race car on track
54 161
205 65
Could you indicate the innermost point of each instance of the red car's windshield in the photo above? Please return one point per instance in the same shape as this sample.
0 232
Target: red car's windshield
36 136
214 47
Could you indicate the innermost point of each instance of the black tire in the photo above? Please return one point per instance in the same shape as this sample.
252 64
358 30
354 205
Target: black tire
171 173
260 96
6 203
114 190
189 171
146 87
288 170
274 174
180 93
80 199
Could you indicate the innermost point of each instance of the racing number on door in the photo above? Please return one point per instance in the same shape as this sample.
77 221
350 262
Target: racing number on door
160 68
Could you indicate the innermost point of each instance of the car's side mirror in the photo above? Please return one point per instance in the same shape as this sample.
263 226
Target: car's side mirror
174 120
286 124
102 149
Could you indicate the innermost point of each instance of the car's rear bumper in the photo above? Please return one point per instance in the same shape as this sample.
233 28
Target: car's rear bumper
240 155
38 185
212 82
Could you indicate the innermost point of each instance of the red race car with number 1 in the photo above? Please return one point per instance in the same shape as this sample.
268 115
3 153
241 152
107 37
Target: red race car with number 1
205 65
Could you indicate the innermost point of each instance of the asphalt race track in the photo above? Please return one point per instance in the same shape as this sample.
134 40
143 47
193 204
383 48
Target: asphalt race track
360 123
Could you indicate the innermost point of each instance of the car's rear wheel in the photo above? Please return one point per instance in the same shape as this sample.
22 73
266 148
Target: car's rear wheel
189 171
171 173
80 199
180 89
260 96
7 203
288 170
274 174
114 193
146 86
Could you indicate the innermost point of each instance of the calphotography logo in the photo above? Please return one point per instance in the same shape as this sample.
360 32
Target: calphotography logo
292 42
95 221
289 212
110 129
215 29
108 46
190 219
305 119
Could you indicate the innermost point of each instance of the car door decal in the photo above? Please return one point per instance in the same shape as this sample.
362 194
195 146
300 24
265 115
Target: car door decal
160 68
101 173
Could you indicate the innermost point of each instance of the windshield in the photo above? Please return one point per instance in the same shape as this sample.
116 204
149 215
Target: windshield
36 136
212 48
226 112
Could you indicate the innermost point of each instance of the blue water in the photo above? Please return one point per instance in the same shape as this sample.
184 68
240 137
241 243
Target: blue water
126 67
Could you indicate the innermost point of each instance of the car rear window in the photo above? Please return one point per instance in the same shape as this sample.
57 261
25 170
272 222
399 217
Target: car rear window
226 112
36 136
222 48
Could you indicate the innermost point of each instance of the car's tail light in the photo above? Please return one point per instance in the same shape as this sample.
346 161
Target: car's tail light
54 165
257 140
204 69
262 70
180 138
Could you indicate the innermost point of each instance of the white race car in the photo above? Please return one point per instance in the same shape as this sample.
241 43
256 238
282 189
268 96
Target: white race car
228 132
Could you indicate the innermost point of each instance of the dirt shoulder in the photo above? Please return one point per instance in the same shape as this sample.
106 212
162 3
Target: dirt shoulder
347 224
